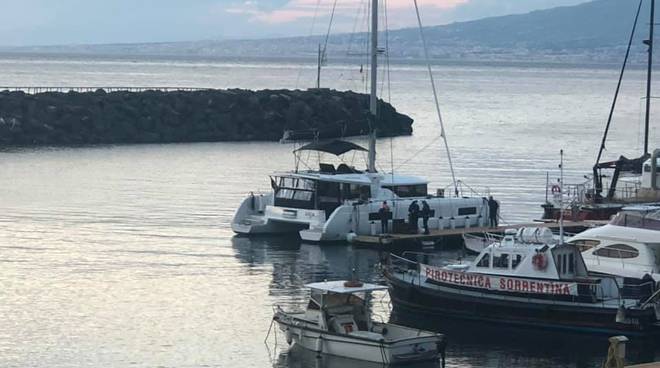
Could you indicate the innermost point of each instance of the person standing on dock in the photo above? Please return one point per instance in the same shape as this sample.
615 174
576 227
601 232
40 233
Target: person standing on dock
426 213
384 213
493 211
413 216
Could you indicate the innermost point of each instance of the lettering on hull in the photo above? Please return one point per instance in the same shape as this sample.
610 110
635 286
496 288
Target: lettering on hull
498 283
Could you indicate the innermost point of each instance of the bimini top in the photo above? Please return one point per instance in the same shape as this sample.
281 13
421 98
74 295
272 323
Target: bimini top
339 287
336 147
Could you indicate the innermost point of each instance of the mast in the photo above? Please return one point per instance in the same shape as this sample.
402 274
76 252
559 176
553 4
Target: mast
318 68
649 42
374 86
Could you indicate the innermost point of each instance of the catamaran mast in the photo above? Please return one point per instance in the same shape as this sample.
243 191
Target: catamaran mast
649 42
374 86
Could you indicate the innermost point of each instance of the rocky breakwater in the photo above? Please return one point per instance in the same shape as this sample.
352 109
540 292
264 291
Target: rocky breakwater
187 116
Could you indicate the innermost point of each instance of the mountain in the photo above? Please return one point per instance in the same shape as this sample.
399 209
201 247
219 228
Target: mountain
593 31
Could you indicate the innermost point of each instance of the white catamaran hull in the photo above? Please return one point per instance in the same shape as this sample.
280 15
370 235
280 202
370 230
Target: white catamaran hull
258 215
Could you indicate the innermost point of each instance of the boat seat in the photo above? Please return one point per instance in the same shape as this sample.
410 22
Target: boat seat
327 168
344 323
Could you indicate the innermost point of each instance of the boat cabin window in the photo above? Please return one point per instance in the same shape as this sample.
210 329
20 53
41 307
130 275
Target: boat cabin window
621 251
501 260
466 211
585 244
407 191
636 220
484 261
294 192
355 191
515 261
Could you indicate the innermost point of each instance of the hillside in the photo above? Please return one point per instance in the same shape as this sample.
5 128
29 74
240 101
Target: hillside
592 31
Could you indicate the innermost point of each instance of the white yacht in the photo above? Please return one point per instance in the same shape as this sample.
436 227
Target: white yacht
629 246
337 322
328 203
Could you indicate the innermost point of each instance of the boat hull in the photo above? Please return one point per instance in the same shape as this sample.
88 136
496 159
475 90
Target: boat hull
462 303
365 349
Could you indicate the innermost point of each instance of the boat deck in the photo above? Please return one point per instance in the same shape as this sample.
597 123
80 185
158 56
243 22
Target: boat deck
438 235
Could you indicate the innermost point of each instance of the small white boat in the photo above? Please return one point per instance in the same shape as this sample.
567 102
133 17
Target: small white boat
338 322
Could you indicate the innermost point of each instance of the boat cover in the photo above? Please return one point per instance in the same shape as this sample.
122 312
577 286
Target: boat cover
339 287
336 147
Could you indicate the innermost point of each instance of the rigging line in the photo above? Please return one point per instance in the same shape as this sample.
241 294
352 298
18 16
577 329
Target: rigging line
327 35
416 154
311 33
618 86
435 96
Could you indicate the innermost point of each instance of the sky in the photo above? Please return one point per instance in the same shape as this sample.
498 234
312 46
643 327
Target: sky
63 22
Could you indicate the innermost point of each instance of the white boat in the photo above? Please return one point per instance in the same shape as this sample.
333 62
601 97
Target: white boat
628 246
338 322
334 203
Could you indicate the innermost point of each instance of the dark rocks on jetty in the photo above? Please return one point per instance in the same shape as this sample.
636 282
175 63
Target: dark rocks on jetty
73 118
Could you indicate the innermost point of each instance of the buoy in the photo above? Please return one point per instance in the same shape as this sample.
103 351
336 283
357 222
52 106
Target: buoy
289 336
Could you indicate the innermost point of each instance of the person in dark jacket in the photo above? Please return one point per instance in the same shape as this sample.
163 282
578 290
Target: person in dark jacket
426 213
493 211
413 216
384 213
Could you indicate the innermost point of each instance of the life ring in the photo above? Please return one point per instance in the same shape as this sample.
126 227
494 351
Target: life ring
539 261
556 189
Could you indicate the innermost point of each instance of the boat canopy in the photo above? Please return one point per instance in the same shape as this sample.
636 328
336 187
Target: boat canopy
335 147
339 287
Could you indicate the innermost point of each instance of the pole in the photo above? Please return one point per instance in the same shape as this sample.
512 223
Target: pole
561 198
648 79
318 69
374 86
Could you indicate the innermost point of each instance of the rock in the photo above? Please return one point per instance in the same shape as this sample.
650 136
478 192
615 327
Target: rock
101 117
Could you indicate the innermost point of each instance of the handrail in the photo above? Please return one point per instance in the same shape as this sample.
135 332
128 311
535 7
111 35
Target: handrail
650 299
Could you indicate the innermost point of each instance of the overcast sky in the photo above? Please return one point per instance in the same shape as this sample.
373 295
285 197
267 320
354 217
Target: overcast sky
48 22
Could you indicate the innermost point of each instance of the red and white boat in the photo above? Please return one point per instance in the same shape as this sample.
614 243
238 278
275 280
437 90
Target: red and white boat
544 284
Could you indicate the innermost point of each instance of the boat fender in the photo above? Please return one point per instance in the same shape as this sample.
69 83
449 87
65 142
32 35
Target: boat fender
539 261
556 189
289 336
319 345
384 331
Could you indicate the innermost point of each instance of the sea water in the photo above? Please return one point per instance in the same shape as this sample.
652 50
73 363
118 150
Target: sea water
123 256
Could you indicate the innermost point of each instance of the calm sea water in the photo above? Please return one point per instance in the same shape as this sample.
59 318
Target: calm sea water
123 256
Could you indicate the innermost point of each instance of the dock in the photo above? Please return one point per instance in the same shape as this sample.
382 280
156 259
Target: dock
444 235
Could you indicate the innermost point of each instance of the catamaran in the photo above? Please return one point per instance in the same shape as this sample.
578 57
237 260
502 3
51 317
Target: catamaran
331 202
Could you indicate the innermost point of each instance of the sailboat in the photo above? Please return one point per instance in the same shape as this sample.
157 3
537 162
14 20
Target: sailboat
335 203
633 181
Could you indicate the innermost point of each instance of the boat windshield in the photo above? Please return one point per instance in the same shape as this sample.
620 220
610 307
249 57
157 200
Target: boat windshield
336 299
639 220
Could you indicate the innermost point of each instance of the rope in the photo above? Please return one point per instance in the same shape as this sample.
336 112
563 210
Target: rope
435 96
618 86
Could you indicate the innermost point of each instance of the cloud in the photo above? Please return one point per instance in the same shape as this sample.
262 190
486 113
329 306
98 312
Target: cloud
295 10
